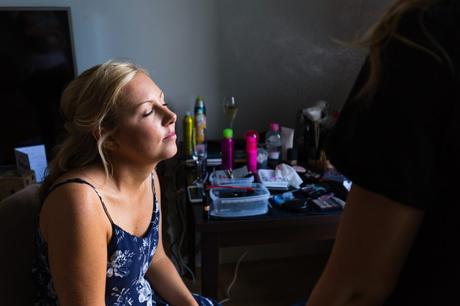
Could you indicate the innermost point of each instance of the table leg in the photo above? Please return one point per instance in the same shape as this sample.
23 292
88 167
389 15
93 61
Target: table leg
210 264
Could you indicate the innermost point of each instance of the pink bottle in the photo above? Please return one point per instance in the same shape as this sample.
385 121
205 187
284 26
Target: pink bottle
227 149
251 138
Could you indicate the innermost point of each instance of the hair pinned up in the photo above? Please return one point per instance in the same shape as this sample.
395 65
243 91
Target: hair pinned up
89 106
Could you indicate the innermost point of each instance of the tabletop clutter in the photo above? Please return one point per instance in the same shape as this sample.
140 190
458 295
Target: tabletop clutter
286 169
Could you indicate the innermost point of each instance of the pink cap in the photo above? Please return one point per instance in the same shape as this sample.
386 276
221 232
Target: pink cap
274 126
251 134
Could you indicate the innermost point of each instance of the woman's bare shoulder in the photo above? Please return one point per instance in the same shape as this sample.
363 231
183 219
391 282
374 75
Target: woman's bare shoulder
73 202
91 174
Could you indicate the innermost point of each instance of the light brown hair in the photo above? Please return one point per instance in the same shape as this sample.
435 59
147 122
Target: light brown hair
89 106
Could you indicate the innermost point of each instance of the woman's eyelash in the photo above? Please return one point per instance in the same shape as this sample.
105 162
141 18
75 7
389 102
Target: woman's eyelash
152 110
149 113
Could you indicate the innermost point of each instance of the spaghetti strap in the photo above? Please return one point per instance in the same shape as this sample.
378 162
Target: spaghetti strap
81 181
155 202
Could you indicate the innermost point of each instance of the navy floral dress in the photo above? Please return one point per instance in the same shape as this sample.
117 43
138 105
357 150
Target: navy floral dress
129 257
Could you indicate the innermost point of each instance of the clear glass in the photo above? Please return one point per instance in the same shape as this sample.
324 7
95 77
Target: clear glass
200 157
230 109
201 173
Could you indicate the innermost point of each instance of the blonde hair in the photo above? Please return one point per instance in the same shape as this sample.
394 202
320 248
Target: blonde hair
386 27
89 107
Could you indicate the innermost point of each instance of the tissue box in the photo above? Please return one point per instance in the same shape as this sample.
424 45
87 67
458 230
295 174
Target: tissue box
239 177
239 205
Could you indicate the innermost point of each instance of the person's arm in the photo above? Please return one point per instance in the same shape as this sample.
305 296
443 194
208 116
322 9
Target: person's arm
162 274
72 223
373 239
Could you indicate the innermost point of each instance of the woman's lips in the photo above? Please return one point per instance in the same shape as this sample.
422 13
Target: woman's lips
170 136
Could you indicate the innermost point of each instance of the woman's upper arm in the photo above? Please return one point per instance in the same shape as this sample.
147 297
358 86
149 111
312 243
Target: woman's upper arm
73 226
373 240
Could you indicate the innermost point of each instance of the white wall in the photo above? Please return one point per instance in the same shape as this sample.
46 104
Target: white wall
175 40
279 56
274 56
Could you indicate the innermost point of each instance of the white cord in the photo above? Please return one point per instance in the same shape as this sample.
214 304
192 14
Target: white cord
191 273
179 246
235 275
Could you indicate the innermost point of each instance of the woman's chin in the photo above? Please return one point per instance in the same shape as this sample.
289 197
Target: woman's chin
171 151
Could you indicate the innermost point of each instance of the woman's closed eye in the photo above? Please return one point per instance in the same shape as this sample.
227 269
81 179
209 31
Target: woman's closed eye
149 112
152 110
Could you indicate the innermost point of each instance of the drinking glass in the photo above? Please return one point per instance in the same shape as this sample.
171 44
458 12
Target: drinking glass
230 109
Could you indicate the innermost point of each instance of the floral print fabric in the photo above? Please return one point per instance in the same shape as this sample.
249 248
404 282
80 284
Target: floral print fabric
129 257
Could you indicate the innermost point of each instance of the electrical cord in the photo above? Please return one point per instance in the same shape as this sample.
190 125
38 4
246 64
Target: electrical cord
173 243
181 240
176 250
235 275
181 262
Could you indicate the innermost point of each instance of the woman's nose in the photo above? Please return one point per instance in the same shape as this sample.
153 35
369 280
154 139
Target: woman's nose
169 118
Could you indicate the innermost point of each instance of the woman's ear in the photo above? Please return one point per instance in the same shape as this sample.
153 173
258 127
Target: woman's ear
109 141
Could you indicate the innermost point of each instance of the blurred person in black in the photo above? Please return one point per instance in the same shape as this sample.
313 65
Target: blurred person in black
397 140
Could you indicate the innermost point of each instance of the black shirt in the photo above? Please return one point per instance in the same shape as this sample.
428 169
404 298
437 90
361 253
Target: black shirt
404 143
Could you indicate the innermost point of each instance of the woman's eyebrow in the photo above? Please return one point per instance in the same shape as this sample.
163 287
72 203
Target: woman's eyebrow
150 101
142 103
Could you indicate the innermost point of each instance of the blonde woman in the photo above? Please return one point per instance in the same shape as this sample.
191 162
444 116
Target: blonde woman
398 141
99 237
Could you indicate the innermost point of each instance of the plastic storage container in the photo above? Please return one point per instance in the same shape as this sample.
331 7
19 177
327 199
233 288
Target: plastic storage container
226 205
220 178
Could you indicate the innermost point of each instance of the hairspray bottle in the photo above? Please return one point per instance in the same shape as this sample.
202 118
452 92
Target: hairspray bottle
251 137
188 136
